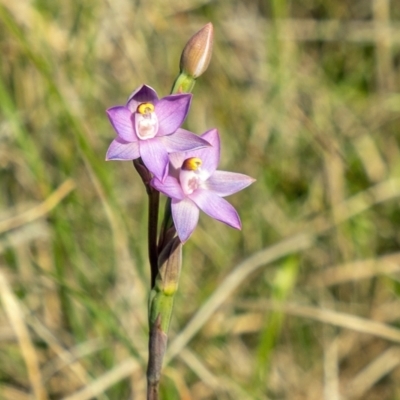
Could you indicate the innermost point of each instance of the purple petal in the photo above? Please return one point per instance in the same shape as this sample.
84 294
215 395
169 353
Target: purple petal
121 150
155 157
170 187
143 94
176 160
120 118
208 155
216 207
185 215
171 112
212 137
225 183
183 140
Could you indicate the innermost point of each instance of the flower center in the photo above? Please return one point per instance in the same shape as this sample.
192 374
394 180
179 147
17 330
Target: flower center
145 108
190 175
192 164
146 121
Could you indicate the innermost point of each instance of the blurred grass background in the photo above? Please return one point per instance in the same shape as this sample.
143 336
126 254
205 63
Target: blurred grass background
304 302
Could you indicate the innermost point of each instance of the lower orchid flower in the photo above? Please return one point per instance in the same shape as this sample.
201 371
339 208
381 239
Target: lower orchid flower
149 127
194 184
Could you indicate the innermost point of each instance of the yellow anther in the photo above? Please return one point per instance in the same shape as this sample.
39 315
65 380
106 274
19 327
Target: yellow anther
145 108
192 164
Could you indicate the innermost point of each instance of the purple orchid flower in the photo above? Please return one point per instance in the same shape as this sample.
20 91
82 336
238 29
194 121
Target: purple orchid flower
149 127
193 184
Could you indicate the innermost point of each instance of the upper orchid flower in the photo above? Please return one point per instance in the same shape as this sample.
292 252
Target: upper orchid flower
193 183
149 127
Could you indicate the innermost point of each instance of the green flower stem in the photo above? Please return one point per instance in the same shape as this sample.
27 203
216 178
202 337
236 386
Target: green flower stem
162 295
154 200
161 302
157 348
168 252
165 261
184 83
167 231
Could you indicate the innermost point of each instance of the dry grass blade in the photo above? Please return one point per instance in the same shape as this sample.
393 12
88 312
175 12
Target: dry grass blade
331 371
71 356
64 356
355 205
25 234
39 211
232 281
105 381
362 201
385 73
198 367
336 30
343 320
372 373
11 393
216 383
356 270
16 318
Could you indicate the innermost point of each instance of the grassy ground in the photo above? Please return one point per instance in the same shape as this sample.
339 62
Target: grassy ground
304 302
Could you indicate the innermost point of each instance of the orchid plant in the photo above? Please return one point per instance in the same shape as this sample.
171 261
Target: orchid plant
182 166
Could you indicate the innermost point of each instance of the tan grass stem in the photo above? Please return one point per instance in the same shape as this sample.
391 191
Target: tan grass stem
103 382
40 210
331 317
231 283
16 317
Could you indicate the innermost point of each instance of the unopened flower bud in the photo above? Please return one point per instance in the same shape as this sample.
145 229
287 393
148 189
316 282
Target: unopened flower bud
169 267
197 53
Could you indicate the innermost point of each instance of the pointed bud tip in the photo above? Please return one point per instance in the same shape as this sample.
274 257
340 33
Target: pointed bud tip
208 28
196 55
